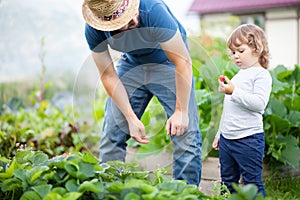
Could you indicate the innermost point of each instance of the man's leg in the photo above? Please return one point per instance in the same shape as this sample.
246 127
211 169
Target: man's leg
115 131
187 148
114 134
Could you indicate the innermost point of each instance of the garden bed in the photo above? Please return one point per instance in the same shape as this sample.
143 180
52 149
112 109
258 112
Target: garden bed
210 167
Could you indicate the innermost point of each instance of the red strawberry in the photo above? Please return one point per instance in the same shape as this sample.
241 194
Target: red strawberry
222 78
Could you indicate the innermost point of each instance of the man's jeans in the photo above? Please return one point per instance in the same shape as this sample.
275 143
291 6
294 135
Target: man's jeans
141 83
242 157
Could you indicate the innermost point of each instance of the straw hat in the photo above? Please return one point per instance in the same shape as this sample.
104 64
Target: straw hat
109 15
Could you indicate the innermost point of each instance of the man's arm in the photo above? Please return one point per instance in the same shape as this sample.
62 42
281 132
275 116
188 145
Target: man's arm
177 52
115 89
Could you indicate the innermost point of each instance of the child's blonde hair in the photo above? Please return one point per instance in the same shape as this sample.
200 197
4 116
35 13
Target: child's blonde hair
255 38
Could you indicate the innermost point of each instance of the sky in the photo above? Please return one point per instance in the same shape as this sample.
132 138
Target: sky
23 25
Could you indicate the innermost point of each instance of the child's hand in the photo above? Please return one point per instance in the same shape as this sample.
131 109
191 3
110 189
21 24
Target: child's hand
225 85
215 144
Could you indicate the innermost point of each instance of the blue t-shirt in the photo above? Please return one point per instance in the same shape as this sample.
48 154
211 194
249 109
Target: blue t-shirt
157 24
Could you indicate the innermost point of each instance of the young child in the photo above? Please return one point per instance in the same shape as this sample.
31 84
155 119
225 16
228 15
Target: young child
240 138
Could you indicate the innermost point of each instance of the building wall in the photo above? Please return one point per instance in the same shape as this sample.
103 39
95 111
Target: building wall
218 25
282 27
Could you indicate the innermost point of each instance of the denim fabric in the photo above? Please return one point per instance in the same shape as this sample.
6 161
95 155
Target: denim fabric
142 82
242 157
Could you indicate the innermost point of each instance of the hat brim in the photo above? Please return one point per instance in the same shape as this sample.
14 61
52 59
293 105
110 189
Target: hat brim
112 25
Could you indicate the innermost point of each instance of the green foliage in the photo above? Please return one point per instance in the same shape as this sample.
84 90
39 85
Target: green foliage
31 175
210 60
35 123
248 192
282 117
44 128
282 187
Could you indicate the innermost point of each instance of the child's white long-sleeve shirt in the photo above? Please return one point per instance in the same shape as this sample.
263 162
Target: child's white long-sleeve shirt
243 109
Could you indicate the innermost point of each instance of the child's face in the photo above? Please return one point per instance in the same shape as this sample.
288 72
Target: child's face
243 57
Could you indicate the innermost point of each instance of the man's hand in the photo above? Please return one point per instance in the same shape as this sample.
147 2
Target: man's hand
178 123
137 131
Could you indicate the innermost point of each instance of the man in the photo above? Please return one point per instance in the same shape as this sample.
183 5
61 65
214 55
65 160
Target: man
155 62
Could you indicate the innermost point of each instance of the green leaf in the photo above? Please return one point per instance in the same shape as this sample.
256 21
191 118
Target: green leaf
277 85
127 191
35 173
59 190
86 169
294 118
42 190
145 187
23 156
39 158
115 187
246 192
278 124
21 175
90 158
52 196
132 196
72 196
293 103
173 185
291 152
11 184
250 190
72 169
92 186
9 172
276 107
146 118
71 185
237 197
58 161
30 195
99 169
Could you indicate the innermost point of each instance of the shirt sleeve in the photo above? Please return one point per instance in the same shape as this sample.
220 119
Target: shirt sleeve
96 39
258 99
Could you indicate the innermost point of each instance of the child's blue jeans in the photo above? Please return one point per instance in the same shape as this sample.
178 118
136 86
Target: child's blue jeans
242 157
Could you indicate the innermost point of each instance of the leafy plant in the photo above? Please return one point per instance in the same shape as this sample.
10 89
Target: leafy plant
210 60
44 128
32 175
247 192
282 117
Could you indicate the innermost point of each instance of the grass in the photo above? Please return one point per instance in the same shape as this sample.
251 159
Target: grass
283 188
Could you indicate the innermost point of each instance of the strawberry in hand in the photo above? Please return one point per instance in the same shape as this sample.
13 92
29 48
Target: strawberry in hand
222 78
225 85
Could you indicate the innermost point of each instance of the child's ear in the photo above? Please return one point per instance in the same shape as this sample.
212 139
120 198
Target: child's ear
255 51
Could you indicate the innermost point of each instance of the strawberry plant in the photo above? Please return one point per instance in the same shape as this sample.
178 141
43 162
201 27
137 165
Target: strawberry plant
32 175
